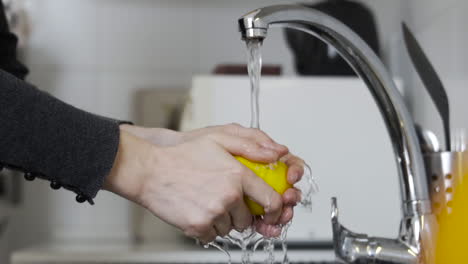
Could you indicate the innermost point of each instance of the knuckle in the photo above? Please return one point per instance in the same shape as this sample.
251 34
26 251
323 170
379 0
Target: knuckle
241 226
233 127
227 232
198 226
248 146
258 133
240 170
232 197
252 143
209 238
215 210
223 232
276 203
190 233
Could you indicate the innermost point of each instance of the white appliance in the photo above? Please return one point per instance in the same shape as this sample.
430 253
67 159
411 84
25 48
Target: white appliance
332 123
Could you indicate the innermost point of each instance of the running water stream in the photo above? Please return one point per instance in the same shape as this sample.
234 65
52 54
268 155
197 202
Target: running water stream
254 67
307 185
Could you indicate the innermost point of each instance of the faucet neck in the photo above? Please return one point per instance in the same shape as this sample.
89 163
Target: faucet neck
368 66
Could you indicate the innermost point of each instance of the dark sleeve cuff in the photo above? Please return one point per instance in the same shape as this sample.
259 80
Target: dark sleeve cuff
46 137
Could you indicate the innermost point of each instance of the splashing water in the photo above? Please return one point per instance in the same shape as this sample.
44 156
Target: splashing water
308 185
243 240
284 245
223 249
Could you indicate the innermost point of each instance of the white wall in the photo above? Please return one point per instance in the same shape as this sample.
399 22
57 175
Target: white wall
96 54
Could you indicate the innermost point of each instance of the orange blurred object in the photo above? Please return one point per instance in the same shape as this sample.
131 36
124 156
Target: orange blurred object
453 224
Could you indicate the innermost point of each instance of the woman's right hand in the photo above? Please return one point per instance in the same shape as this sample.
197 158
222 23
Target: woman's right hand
197 185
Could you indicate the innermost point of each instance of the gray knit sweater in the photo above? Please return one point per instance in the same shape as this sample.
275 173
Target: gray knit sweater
47 138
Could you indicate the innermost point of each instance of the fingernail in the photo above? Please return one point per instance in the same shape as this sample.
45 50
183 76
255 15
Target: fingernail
298 176
295 177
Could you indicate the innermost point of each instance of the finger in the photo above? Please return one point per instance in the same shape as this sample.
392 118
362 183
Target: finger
292 196
223 225
246 148
295 173
208 236
295 168
267 230
241 217
286 215
259 191
257 135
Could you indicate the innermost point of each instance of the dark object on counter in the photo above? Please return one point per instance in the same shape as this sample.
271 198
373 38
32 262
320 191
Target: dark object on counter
314 57
431 80
241 69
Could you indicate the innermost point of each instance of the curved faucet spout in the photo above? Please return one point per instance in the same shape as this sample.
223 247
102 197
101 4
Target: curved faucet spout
413 181
367 65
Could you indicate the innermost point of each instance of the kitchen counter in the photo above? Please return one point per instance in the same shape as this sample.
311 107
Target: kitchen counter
150 253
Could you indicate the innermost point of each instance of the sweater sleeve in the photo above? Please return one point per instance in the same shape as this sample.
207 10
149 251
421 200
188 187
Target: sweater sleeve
50 139
47 138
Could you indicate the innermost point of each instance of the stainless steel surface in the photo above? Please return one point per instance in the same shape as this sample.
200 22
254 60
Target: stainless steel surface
357 248
446 172
428 140
414 232
431 81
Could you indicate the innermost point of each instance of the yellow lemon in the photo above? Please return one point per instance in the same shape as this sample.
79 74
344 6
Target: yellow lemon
274 174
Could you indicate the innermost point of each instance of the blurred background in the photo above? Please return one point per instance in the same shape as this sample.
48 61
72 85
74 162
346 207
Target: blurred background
158 63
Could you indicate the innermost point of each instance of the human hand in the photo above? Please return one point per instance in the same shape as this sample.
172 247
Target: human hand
197 185
157 136
295 171
291 197
165 137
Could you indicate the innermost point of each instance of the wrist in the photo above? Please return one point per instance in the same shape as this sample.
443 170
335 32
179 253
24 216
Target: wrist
157 136
132 163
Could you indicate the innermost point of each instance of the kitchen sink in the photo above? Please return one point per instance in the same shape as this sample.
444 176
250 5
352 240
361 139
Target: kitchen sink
164 253
314 262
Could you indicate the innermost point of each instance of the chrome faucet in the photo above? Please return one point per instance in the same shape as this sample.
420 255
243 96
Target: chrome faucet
414 241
